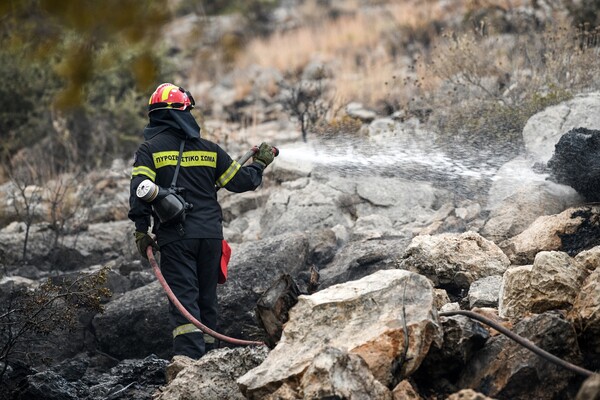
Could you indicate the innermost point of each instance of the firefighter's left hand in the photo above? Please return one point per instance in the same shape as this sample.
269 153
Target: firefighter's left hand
142 241
264 156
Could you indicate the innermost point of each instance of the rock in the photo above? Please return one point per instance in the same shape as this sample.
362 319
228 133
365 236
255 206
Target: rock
357 259
575 162
571 231
213 376
48 385
234 205
310 208
362 317
544 129
454 261
517 175
135 324
357 110
253 268
463 337
551 283
131 379
585 313
178 364
273 306
468 394
518 211
73 369
323 246
503 369
485 292
405 391
335 373
441 298
590 259
590 390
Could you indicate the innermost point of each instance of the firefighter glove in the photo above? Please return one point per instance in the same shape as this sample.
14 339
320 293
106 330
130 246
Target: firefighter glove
264 156
142 241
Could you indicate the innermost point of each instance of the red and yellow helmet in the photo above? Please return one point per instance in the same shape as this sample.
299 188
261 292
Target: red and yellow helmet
169 96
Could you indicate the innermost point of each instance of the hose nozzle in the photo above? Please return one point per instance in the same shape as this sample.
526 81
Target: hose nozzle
274 149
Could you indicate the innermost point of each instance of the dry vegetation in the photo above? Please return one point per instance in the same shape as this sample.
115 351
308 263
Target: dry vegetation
479 68
371 50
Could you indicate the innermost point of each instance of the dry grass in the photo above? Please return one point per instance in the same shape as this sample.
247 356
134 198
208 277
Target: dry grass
368 50
357 46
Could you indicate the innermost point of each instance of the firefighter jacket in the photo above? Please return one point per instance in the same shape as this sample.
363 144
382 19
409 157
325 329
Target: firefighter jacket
205 166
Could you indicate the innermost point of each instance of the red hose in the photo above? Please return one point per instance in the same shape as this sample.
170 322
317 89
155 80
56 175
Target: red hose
185 312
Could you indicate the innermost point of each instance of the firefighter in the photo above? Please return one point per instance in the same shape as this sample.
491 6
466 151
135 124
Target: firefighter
175 178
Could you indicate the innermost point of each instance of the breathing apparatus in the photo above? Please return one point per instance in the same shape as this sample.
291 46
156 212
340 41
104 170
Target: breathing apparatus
168 204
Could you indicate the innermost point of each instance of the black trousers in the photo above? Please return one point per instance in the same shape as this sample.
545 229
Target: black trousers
191 268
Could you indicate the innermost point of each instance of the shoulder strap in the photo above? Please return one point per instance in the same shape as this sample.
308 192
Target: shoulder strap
174 181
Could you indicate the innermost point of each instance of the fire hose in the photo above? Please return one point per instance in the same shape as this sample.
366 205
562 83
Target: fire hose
186 314
522 341
176 301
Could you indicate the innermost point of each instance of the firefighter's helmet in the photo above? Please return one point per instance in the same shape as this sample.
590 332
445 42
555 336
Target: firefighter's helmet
169 96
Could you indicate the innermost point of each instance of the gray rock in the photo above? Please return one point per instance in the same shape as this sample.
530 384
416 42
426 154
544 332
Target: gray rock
213 376
363 318
454 261
571 231
545 128
503 369
335 373
518 211
463 337
590 390
552 282
585 315
135 324
253 268
485 292
48 385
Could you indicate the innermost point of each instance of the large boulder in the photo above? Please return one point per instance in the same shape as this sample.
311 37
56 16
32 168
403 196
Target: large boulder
135 324
504 369
575 162
213 376
309 208
363 317
571 231
253 268
552 282
359 258
586 313
515 213
454 261
335 373
463 337
545 128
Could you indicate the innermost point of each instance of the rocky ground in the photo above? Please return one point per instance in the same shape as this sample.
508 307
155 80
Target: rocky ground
391 254
349 262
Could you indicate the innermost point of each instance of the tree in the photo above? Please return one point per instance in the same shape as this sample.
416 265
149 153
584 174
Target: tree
79 75
305 101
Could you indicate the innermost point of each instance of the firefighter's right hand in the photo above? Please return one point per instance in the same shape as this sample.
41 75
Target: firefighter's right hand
264 156
142 241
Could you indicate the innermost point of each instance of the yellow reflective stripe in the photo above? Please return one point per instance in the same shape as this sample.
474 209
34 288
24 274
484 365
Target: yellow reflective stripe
194 158
142 170
165 92
183 329
208 338
229 174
